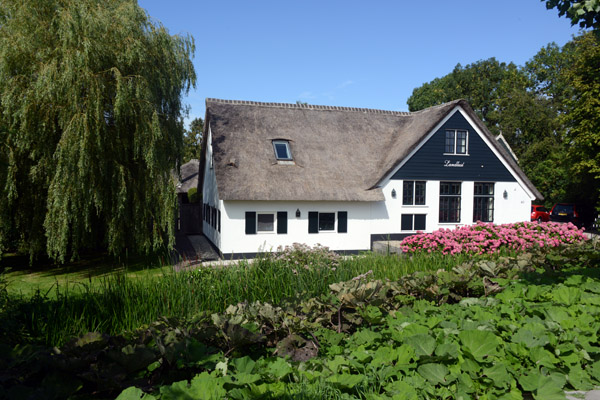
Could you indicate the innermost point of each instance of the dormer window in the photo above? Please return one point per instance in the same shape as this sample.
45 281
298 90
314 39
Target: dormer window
282 150
456 142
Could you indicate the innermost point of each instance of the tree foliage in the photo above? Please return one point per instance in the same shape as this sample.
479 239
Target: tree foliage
583 116
90 111
192 141
586 13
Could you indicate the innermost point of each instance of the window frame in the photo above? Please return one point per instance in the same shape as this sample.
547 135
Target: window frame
454 207
288 149
478 210
412 197
340 222
450 148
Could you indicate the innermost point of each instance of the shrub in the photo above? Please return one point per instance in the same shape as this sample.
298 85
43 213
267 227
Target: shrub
487 238
193 196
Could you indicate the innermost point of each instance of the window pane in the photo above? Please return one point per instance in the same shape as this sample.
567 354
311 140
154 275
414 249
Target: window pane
326 221
420 222
483 209
406 222
461 142
407 193
281 151
265 222
449 148
450 188
420 193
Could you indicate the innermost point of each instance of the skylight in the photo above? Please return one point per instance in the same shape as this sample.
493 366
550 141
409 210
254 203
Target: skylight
282 149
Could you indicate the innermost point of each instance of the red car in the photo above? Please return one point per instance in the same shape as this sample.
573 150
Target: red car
539 214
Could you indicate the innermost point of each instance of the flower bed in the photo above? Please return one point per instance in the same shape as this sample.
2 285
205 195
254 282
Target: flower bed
487 238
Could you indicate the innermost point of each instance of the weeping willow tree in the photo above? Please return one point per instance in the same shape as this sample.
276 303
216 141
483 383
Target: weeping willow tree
90 126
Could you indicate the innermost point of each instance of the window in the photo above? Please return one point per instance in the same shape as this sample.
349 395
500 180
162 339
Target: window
282 150
412 222
483 202
450 201
456 142
413 193
326 222
264 222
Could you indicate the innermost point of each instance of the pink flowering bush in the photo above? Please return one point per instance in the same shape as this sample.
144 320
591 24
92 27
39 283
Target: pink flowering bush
487 238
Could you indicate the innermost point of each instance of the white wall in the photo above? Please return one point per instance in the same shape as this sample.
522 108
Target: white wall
516 207
362 217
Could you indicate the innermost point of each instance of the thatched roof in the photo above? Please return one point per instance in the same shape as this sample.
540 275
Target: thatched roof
339 153
189 175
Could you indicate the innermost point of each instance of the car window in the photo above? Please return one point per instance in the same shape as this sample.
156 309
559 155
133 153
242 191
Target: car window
563 208
542 209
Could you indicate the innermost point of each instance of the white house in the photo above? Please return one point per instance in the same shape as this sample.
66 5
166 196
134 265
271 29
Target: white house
273 174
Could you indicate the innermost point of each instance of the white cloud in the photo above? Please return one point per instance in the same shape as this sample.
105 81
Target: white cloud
345 84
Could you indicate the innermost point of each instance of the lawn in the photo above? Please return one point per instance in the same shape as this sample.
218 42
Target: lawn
25 280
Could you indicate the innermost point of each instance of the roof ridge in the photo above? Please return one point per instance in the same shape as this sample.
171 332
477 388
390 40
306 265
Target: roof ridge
308 106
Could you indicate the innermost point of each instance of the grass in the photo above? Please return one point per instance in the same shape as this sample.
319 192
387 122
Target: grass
52 307
25 280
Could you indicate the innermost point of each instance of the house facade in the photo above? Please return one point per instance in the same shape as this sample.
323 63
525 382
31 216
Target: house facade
273 174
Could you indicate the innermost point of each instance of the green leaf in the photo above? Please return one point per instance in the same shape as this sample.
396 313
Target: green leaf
480 344
243 364
434 373
345 380
400 390
133 393
279 368
499 375
206 387
422 344
450 349
566 295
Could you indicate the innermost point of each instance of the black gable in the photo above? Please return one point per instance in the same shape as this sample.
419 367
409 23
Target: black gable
430 162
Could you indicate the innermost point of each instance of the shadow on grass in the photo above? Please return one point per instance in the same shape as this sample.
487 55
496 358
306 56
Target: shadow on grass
43 273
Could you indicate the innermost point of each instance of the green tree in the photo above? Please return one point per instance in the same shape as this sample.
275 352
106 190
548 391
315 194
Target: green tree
583 118
586 13
90 111
192 141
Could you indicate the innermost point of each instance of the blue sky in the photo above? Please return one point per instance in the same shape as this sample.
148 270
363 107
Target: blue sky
368 54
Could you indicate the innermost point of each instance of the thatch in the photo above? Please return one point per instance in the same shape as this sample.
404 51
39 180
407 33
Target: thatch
340 154
189 175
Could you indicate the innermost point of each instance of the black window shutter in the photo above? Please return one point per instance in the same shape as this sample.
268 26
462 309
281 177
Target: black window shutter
313 222
406 223
281 221
250 223
219 220
420 222
342 221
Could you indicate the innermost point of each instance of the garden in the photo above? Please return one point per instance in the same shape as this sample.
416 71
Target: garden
482 312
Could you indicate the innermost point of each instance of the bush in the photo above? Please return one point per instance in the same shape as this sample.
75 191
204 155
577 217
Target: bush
193 196
487 238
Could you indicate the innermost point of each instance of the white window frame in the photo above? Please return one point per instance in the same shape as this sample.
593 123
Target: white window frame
287 149
460 202
454 153
414 193
274 214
